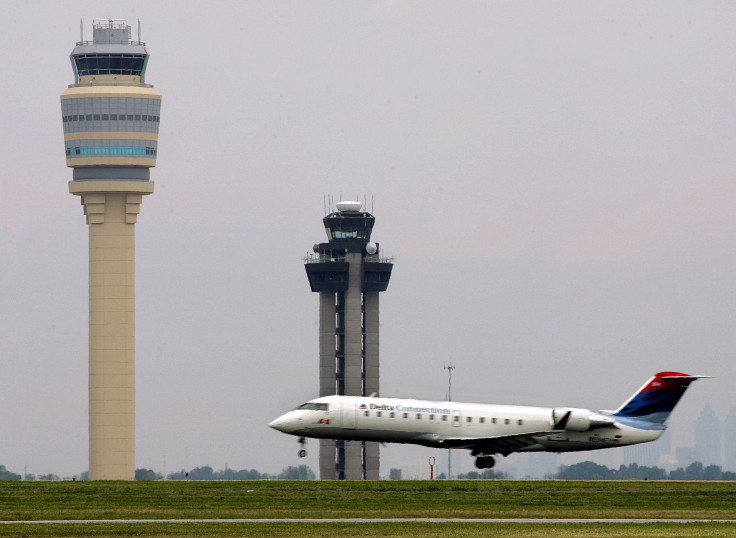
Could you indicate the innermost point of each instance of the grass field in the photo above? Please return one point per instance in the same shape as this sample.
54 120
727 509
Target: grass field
21 501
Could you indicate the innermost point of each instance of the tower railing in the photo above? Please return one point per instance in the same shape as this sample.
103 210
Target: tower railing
316 259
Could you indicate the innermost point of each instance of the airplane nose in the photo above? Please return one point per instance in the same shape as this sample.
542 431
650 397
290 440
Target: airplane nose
288 423
277 424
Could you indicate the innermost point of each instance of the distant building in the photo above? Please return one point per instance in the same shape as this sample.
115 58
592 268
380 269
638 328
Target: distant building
729 441
649 454
686 455
708 437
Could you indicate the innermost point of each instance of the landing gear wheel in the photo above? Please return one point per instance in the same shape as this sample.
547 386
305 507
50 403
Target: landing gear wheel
485 462
302 452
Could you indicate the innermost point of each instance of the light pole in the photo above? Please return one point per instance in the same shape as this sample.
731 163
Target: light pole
449 368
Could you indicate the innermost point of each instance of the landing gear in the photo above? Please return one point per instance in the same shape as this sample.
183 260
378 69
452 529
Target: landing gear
302 452
485 462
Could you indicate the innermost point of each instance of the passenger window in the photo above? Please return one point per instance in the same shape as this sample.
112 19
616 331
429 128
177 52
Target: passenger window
366 413
379 414
392 414
456 418
469 419
520 422
406 415
482 420
431 417
419 416
493 421
444 418
506 421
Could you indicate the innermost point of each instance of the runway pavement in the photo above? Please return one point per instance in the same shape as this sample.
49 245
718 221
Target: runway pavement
369 520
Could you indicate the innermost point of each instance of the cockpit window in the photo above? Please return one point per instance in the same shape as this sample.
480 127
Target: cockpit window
313 406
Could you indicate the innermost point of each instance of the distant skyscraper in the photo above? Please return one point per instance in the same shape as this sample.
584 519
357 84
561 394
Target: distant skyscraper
649 454
111 119
348 274
708 437
729 441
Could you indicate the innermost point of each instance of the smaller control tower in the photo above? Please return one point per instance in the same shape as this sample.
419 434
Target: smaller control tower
348 273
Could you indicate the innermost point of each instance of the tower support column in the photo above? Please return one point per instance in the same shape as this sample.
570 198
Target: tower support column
111 216
371 335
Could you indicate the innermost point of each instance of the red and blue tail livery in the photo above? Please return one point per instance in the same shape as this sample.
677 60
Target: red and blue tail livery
657 398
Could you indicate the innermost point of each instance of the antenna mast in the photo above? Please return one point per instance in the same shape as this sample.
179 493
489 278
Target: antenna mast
449 368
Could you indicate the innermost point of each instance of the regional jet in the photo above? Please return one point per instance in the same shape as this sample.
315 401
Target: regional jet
488 430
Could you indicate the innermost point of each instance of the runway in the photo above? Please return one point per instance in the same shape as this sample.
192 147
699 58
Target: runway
366 520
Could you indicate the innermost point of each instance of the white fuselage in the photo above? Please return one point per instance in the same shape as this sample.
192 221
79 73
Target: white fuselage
449 424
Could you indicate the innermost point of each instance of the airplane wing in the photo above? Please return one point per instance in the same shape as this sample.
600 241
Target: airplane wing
500 444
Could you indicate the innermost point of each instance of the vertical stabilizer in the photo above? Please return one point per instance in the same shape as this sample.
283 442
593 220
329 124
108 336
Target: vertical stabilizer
657 398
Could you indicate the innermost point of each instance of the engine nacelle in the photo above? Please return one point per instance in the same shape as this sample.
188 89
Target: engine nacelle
579 420
571 419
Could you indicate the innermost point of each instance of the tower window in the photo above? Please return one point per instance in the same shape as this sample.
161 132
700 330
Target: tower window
109 64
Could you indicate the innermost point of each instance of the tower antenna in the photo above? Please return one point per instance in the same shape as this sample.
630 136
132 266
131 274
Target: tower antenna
81 30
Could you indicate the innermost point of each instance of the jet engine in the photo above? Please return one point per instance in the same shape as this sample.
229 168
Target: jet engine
579 420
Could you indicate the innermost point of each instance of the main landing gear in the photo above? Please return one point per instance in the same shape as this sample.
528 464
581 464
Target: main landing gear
485 462
302 452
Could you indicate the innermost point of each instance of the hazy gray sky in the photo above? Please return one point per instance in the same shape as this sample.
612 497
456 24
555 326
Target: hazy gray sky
554 179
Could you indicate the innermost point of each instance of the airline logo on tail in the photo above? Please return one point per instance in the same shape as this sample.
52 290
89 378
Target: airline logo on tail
657 398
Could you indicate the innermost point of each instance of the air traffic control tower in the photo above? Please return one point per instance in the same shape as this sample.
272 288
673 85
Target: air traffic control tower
348 274
111 119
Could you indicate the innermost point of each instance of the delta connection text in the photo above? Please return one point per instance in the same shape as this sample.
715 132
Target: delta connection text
385 407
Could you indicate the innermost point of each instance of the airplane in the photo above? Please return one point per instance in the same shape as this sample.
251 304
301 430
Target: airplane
488 430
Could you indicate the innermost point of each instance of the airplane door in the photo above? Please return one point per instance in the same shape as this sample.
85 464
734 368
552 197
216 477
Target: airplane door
456 418
348 411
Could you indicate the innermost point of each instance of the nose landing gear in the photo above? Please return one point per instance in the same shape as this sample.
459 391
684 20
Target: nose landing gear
303 443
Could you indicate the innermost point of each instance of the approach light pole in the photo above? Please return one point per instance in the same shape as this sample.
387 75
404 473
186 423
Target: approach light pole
449 368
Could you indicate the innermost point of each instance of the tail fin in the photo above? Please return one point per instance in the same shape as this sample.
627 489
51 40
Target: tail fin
657 398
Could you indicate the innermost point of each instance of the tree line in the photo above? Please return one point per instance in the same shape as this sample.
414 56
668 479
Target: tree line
587 470
302 472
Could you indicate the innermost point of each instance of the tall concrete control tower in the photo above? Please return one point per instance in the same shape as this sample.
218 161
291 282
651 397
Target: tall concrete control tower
348 274
111 120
